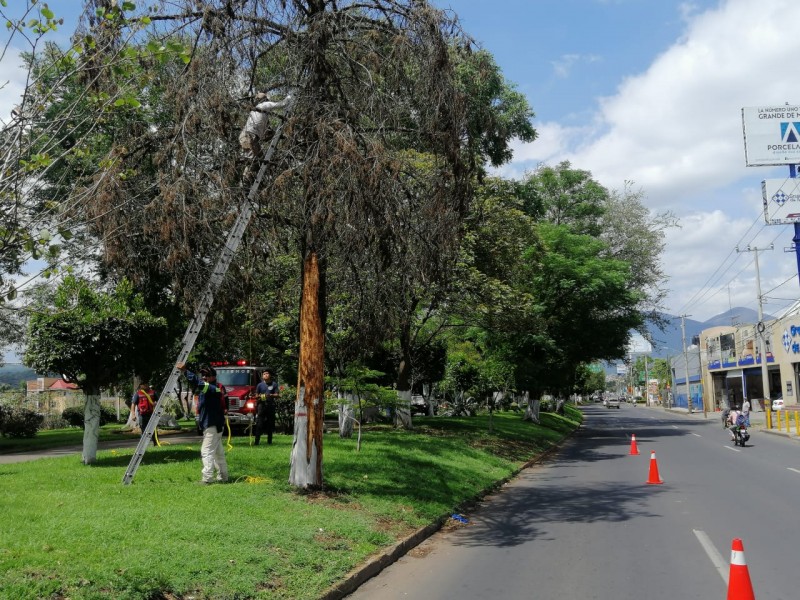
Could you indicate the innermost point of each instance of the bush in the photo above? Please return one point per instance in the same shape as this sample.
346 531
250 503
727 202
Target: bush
20 422
74 416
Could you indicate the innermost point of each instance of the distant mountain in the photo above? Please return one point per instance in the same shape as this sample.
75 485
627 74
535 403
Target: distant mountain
12 374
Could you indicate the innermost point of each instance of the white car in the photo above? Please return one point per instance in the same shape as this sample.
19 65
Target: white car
777 404
612 403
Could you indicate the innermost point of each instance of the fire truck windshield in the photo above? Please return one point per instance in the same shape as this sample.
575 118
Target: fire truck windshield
232 376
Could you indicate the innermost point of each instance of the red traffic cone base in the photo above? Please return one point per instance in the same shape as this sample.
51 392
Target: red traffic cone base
634 448
654 477
739 585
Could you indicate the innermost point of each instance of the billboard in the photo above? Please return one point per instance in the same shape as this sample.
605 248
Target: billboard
771 135
781 201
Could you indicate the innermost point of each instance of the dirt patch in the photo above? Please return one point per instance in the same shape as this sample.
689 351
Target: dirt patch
420 551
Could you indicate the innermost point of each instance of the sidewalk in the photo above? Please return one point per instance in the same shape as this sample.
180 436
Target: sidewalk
177 437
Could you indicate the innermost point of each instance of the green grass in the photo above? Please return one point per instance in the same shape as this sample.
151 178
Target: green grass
68 530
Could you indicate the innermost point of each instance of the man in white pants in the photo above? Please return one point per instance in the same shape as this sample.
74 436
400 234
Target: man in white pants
211 411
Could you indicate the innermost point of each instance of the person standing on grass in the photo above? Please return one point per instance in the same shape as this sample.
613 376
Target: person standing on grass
211 422
267 393
144 400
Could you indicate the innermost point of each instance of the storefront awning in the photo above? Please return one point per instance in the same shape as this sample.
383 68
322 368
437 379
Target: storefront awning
734 373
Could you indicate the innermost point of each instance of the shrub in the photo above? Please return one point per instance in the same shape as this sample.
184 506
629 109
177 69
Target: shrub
74 416
20 422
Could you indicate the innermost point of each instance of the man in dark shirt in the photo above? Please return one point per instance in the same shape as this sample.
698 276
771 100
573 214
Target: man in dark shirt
211 421
267 393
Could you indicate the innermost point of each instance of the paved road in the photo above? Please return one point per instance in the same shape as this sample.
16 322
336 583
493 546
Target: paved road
585 525
17 457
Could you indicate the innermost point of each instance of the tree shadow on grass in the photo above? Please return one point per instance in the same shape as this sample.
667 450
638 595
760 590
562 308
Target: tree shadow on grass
152 456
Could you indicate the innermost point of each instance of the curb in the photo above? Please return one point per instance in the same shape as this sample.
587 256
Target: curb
374 565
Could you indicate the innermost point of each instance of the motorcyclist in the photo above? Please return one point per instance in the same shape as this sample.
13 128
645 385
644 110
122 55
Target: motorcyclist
733 417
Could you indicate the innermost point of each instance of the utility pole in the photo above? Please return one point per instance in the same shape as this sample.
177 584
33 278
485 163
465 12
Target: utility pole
686 364
760 328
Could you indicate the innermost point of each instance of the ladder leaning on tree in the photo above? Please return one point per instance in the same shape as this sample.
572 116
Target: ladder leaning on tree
203 308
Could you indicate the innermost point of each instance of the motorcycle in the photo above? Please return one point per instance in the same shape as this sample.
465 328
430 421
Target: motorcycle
740 435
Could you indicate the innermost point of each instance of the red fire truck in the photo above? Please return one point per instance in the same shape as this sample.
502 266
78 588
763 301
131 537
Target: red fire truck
240 380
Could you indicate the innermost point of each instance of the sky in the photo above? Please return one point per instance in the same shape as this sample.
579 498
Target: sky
649 93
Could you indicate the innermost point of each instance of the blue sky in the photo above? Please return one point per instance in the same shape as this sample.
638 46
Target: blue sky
650 92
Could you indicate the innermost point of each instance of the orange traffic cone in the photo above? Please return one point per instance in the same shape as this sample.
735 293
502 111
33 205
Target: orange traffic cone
634 448
739 586
653 478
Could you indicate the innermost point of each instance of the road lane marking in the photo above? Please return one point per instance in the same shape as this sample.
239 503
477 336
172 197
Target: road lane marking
795 470
697 435
713 554
734 449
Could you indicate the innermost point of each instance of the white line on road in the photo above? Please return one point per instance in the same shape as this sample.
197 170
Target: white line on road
795 470
697 435
675 427
716 557
734 449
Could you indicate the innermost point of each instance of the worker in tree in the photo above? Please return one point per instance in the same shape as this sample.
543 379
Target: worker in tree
255 128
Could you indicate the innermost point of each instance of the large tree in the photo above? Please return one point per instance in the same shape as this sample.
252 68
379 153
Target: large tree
94 339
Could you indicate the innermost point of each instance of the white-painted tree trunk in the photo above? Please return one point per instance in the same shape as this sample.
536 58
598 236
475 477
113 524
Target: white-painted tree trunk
531 409
402 414
131 424
346 416
91 429
303 469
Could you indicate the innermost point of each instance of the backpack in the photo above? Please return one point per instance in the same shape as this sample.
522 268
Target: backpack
145 402
741 420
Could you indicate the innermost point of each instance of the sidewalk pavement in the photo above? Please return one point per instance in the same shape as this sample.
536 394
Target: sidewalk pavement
174 437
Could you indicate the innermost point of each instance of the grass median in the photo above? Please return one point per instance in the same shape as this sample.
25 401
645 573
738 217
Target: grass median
72 531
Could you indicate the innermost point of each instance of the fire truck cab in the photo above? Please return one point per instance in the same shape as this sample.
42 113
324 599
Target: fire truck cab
240 380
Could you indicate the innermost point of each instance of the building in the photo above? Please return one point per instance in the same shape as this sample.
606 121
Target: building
732 366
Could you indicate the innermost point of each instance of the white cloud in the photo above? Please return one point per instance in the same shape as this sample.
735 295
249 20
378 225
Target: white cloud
563 66
676 131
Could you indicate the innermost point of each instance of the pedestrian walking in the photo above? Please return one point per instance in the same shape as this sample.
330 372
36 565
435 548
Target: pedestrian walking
144 401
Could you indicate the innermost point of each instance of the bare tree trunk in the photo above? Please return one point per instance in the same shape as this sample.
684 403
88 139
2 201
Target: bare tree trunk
531 409
306 461
91 428
427 393
346 416
402 414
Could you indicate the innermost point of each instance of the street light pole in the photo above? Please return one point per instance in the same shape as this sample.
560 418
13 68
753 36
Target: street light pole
760 328
686 364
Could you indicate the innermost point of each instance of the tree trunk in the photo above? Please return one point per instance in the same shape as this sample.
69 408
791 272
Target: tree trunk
427 393
91 428
346 416
306 461
402 415
531 409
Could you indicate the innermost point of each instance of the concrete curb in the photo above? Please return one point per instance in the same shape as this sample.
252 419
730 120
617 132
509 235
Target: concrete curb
379 562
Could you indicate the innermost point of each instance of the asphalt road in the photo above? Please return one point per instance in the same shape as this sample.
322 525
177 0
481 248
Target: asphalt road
586 525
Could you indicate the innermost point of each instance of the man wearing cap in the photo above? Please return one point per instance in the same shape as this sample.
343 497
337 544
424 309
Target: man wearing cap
211 412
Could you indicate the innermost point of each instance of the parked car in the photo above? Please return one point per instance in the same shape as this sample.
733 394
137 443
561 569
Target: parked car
777 404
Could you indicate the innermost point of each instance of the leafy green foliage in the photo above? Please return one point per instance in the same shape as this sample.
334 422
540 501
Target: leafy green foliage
93 338
18 422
